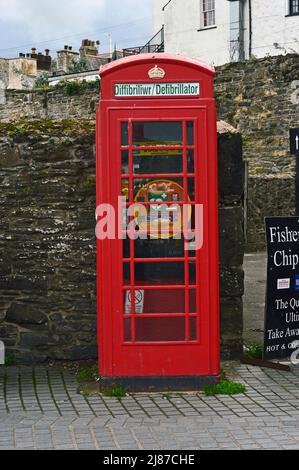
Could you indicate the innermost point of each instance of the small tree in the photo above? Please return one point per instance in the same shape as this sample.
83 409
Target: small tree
79 66
42 81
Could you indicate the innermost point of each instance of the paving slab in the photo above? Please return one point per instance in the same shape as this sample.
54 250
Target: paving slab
265 417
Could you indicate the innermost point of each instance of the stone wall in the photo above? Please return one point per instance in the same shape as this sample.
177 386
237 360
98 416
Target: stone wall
4 72
257 97
231 240
268 195
63 102
47 261
47 240
261 99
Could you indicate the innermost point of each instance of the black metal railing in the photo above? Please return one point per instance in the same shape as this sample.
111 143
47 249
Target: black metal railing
155 44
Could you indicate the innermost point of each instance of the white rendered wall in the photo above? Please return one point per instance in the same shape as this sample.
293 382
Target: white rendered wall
158 14
182 19
271 25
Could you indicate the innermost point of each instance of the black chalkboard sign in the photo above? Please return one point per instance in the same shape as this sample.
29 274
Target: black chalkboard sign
294 141
282 296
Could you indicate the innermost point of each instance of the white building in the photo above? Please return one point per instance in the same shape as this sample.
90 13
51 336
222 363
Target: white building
221 31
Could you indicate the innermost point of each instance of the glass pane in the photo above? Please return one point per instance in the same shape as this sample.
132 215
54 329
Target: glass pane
160 329
193 231
194 223
164 301
156 248
190 133
125 162
125 188
124 134
158 162
126 248
164 273
159 217
157 133
192 273
168 190
191 189
192 301
127 330
193 328
127 274
190 161
139 301
189 246
162 190
152 244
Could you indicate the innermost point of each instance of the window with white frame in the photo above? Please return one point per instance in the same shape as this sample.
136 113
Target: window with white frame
208 13
294 7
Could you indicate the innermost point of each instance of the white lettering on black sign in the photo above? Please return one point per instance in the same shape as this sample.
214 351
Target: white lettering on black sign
282 303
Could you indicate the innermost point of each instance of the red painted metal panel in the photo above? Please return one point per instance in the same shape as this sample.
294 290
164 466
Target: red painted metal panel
158 343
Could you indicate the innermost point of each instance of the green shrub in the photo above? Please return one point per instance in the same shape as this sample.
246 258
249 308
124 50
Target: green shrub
86 374
254 350
42 81
117 392
77 87
9 361
73 88
225 387
79 66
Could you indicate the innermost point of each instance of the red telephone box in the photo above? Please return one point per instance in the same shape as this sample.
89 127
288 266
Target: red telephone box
158 298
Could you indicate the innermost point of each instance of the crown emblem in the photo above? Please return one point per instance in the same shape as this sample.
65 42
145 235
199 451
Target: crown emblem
156 72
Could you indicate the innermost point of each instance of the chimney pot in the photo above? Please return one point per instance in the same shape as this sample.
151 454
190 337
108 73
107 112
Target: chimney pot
66 48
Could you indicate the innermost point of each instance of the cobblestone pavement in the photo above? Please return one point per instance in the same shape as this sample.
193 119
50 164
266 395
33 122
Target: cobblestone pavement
41 409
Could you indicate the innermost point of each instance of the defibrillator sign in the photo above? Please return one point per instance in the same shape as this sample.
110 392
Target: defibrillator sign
148 90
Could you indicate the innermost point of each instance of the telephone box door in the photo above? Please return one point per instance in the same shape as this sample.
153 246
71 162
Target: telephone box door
162 284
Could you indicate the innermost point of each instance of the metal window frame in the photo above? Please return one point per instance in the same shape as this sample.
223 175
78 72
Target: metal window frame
207 12
186 259
293 7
